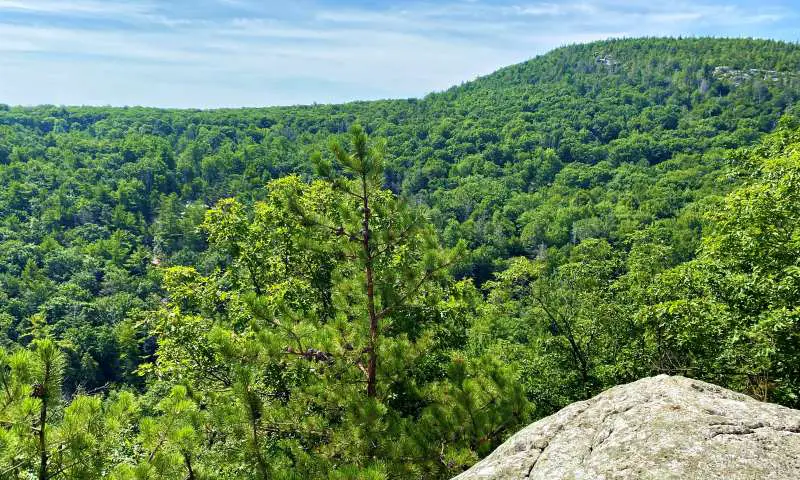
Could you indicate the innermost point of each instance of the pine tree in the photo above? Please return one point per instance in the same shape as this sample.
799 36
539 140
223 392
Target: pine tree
316 339
46 437
383 237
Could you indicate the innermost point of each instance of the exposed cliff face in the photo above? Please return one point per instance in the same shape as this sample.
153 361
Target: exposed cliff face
656 428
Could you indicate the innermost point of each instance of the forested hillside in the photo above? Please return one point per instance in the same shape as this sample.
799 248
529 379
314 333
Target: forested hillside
277 293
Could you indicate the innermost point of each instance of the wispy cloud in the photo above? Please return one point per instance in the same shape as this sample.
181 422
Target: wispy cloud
92 8
555 9
250 52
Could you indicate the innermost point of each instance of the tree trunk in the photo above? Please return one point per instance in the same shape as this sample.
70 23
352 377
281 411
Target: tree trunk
43 425
188 461
263 470
372 366
42 442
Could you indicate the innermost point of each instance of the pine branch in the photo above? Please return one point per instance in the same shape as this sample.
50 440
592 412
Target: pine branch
413 291
401 236
289 332
12 468
346 190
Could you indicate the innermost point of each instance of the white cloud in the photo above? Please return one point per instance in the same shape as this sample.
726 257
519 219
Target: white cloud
75 7
555 9
109 44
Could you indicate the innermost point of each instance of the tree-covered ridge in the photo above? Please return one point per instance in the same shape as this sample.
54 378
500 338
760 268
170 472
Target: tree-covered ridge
539 234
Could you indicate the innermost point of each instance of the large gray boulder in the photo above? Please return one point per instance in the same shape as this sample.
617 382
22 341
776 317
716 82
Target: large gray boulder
657 428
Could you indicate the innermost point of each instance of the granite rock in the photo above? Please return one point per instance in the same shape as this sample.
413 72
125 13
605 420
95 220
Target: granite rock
661 427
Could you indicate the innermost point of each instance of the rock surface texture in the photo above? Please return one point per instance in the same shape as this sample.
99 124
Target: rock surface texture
657 428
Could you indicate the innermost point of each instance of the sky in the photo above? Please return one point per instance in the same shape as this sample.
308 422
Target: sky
229 53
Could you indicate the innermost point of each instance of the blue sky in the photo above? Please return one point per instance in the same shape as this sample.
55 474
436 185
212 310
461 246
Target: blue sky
214 53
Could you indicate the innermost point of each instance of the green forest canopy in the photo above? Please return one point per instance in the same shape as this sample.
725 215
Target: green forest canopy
184 292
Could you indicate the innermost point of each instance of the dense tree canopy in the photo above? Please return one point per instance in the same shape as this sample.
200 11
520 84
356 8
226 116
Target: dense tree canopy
282 293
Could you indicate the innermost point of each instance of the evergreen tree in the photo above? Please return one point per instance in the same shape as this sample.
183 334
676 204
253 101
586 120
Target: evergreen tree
47 438
316 345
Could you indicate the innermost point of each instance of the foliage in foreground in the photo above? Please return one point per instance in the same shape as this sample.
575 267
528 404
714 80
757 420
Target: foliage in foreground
326 343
